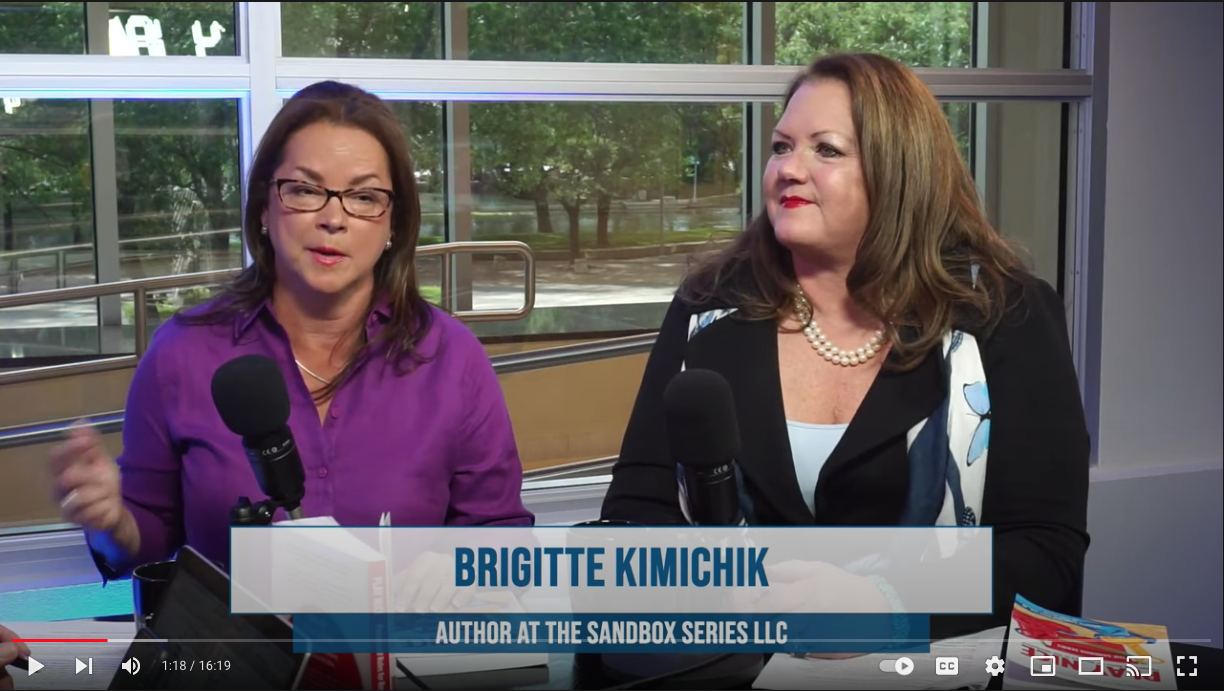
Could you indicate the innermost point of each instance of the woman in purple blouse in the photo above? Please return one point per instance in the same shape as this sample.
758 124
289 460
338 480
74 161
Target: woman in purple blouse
395 406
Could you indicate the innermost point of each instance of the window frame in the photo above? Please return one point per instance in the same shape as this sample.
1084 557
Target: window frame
259 77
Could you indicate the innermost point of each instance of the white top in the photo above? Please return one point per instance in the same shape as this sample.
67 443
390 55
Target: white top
811 445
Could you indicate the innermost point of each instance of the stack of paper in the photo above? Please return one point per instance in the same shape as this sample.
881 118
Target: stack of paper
441 664
306 568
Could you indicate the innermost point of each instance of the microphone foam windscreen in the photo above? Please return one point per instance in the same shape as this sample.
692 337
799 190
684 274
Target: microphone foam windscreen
701 419
249 393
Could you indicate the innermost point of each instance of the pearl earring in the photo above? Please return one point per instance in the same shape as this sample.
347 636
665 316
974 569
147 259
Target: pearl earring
388 244
263 229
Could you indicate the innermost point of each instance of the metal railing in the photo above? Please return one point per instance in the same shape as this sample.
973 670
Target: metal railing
61 252
573 354
143 286
570 470
112 421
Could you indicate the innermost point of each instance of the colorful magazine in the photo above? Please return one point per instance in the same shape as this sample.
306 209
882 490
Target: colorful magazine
1046 649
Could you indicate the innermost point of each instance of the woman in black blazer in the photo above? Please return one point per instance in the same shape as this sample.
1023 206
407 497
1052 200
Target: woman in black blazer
871 298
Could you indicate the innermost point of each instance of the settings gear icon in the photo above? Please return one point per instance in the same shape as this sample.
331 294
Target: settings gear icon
994 666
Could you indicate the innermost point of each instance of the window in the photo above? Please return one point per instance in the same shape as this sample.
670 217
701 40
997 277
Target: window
1026 171
423 125
613 190
1017 35
46 223
611 197
118 28
405 30
42 27
630 32
171 28
919 34
100 191
624 32
614 139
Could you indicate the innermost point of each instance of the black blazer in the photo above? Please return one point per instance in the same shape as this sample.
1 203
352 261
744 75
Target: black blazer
1036 489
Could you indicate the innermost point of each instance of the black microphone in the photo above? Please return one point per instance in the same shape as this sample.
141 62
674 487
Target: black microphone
704 437
250 394
703 434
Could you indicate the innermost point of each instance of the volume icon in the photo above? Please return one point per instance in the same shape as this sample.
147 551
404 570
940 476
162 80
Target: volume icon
131 666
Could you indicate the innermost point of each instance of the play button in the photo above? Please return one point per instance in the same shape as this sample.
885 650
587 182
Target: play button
904 666
35 665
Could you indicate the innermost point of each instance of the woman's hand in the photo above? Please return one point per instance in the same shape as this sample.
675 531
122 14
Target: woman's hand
9 652
88 489
87 482
428 586
813 587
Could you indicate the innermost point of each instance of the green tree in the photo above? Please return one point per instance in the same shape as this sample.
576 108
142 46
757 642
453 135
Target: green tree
405 30
387 30
575 156
166 150
578 153
609 32
44 175
195 145
56 28
918 34
43 179
515 146
176 20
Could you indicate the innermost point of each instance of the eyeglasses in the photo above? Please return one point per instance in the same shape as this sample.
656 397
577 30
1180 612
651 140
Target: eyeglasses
365 202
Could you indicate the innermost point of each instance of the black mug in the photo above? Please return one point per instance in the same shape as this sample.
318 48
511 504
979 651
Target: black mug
149 583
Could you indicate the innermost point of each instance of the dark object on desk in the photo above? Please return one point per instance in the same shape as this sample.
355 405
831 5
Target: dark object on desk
149 583
245 513
519 677
662 670
20 663
193 642
684 671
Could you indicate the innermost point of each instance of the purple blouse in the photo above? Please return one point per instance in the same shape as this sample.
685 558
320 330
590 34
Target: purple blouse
432 447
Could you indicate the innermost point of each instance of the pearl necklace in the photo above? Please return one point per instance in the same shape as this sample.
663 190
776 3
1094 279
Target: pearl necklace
820 343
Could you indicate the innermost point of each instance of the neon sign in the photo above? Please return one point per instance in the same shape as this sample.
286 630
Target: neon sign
143 33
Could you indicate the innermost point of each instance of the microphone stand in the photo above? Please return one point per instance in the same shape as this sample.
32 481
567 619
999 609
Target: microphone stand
244 513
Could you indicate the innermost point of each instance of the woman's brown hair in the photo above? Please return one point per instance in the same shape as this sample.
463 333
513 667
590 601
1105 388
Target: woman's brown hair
395 273
926 228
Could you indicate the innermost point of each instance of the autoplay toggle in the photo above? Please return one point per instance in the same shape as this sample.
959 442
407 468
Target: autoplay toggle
902 666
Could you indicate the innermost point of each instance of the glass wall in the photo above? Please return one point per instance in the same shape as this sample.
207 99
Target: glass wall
615 139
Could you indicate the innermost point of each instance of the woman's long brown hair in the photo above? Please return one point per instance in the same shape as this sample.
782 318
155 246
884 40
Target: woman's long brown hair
395 273
926 228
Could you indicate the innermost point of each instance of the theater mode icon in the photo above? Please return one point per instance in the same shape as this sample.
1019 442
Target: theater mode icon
1092 666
